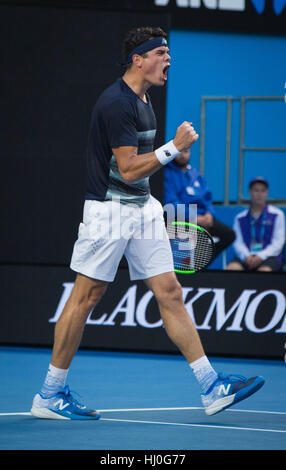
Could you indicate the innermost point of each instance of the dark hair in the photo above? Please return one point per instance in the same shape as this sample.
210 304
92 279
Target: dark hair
258 179
137 36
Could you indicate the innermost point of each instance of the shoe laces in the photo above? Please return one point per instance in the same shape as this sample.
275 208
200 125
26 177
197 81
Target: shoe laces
232 377
70 398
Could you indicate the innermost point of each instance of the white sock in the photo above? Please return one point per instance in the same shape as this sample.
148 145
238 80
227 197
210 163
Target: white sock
204 373
54 382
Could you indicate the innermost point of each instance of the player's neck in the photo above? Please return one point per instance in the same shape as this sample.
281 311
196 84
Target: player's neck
136 84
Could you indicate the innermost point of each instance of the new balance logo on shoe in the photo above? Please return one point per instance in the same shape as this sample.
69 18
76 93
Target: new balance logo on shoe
223 390
61 404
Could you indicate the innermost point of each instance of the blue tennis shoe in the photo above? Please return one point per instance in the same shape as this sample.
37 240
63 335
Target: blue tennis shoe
61 406
228 390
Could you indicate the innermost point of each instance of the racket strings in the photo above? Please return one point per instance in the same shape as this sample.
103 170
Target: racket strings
192 248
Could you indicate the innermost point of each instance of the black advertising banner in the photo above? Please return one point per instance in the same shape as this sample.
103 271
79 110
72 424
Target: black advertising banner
56 62
251 16
236 314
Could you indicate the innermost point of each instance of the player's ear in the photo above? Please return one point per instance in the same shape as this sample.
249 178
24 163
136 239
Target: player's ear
137 60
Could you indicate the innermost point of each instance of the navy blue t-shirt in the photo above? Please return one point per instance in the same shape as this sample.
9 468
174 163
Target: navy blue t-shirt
119 118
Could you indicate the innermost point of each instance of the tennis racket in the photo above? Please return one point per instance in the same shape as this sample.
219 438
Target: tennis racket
192 246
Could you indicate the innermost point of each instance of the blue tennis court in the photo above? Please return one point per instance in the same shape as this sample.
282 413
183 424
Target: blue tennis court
147 401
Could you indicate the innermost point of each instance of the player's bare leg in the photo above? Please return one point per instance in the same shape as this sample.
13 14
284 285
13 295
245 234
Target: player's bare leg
55 401
85 296
182 332
179 326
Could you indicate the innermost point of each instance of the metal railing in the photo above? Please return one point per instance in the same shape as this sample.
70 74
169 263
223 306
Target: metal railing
242 148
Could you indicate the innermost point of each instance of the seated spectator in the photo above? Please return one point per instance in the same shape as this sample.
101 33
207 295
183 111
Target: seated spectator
184 185
260 233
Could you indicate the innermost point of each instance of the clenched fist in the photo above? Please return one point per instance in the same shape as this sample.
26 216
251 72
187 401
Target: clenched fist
185 137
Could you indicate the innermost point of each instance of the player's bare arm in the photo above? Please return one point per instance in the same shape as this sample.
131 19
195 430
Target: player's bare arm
134 167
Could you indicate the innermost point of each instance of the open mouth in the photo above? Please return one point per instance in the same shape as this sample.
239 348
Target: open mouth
165 71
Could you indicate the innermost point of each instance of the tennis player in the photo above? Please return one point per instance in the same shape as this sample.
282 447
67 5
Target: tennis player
120 161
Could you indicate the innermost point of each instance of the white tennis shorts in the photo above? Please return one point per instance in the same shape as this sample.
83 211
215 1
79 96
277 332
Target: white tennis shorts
110 230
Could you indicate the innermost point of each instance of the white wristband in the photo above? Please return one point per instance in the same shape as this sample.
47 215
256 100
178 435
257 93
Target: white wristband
166 153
